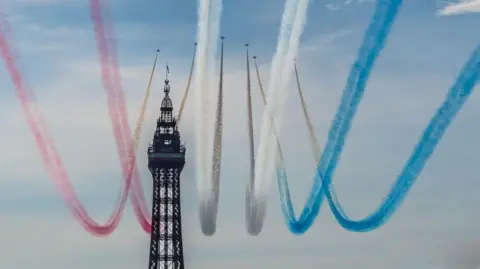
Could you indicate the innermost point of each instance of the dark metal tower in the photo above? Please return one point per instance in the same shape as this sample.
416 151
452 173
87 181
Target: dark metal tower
166 158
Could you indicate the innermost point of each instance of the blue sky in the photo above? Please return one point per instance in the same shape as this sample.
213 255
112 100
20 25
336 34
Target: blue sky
434 228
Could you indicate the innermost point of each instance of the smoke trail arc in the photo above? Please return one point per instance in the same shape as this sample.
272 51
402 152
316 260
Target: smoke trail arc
456 97
116 104
209 208
293 22
256 204
372 47
47 149
251 210
126 146
280 160
107 50
208 124
208 28
375 39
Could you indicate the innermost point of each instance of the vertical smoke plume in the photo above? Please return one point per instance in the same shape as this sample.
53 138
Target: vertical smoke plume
293 22
201 97
211 208
208 139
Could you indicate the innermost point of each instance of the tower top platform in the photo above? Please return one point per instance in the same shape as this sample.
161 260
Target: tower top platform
167 150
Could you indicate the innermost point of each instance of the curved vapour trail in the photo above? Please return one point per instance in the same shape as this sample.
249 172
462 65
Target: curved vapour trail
47 149
106 46
201 109
374 41
208 27
253 203
209 203
209 208
293 22
280 156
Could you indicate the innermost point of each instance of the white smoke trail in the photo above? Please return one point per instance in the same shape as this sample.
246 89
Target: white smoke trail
213 34
254 218
208 31
293 23
286 76
266 142
201 96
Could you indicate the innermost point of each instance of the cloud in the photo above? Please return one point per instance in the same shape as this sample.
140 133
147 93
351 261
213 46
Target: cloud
460 7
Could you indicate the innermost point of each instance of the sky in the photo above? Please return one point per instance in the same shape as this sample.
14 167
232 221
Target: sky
434 228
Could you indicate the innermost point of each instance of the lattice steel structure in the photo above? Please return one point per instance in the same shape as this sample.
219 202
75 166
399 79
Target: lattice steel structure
166 158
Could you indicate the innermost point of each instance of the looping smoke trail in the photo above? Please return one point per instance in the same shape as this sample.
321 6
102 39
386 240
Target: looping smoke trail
281 169
201 96
210 209
290 31
280 160
254 215
108 56
375 39
208 143
47 149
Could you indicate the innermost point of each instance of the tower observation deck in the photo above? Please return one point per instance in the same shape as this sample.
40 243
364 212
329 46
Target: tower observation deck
166 158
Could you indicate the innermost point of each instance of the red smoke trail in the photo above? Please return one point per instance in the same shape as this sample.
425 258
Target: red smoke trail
47 149
108 56
136 193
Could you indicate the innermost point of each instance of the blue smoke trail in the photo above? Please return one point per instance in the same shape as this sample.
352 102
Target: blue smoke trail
374 41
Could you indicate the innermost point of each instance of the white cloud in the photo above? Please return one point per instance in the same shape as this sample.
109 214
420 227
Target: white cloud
460 7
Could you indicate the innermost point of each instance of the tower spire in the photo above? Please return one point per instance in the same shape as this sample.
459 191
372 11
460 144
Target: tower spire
167 71
167 106
166 158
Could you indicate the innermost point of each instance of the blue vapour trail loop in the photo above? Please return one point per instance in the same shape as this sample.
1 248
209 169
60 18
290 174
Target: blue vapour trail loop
374 42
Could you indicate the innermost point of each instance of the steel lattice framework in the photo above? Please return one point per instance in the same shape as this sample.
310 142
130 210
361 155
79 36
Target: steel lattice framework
166 158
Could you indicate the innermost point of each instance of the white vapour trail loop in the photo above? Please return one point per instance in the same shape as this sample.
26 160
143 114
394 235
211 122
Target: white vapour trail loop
252 200
209 196
210 88
210 207
275 73
213 89
280 77
201 97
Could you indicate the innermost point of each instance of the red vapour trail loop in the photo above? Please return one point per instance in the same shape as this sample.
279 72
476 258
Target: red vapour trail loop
47 149
136 193
110 71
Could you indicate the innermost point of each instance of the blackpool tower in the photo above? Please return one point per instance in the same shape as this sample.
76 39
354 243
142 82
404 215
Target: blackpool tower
166 158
